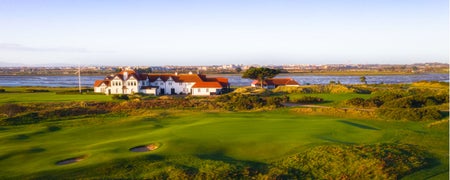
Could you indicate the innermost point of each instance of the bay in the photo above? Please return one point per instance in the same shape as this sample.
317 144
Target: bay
235 80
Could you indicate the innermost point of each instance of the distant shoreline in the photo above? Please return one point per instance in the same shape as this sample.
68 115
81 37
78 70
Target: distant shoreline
367 73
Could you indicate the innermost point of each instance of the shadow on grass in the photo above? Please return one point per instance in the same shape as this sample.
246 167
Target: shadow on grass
444 114
20 153
327 138
431 163
21 137
358 125
252 167
155 157
53 128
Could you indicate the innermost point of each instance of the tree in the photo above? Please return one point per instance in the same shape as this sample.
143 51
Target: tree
238 69
260 74
363 79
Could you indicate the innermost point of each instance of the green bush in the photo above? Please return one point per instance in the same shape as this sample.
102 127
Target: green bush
416 101
11 109
36 90
380 161
330 88
237 101
364 103
411 114
120 97
357 102
29 118
306 99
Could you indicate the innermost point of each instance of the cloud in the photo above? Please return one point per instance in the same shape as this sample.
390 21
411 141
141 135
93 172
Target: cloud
19 47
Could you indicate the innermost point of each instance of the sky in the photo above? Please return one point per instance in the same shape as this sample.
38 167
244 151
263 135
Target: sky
214 32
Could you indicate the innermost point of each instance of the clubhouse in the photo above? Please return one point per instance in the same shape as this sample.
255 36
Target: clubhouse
129 81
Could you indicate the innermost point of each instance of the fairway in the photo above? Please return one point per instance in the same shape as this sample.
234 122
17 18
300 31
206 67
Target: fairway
49 97
244 136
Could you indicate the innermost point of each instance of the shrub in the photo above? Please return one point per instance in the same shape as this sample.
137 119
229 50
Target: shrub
120 97
364 103
2 90
357 102
406 102
416 101
274 101
339 89
237 101
331 88
379 161
412 114
11 109
306 99
36 90
29 118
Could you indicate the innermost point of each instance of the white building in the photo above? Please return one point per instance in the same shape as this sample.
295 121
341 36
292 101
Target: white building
129 82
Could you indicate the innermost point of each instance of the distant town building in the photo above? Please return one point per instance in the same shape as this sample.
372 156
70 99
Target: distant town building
275 82
129 82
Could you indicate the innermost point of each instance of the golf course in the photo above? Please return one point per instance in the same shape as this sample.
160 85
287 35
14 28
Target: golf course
45 135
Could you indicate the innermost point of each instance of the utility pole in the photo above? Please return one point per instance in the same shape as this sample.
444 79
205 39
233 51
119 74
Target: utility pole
79 78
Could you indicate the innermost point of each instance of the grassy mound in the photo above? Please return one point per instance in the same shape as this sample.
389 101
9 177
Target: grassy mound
380 161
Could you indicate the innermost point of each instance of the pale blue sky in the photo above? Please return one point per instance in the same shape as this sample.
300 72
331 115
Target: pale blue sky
200 32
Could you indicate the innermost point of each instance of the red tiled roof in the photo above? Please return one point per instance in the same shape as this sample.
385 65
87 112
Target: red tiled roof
207 85
292 82
256 82
200 80
176 78
223 81
277 82
98 83
129 71
190 78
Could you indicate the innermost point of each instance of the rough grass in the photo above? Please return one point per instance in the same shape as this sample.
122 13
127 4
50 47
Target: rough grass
330 99
191 139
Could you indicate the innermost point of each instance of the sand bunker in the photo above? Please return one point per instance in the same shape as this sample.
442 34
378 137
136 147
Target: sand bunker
145 148
71 160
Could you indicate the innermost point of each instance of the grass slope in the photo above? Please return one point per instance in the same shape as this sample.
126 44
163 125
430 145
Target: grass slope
258 137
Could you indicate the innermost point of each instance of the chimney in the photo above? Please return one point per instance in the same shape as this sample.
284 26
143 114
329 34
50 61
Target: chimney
125 75
176 73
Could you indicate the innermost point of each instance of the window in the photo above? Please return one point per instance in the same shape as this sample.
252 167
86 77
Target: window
181 84
207 90
161 84
170 84
199 90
